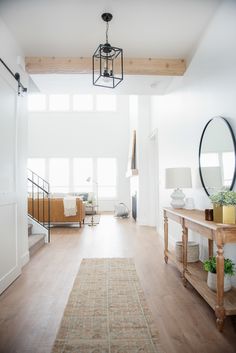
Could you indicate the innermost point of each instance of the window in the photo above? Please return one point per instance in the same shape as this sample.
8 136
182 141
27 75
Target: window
82 102
105 102
59 102
75 175
36 102
37 165
228 167
106 177
59 174
210 160
82 170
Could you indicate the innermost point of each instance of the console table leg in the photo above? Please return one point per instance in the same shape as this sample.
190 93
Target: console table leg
166 237
220 324
219 308
185 251
210 248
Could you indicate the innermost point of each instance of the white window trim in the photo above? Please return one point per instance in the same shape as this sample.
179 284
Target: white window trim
71 109
72 185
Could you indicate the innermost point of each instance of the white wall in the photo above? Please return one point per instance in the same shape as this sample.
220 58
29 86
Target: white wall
144 184
13 153
85 134
208 89
146 172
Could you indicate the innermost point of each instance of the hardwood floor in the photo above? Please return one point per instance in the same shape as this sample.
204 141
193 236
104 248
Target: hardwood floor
32 307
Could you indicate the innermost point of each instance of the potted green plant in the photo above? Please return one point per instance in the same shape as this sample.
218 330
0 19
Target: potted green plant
224 203
210 267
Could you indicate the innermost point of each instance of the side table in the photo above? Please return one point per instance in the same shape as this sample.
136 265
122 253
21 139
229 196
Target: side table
92 207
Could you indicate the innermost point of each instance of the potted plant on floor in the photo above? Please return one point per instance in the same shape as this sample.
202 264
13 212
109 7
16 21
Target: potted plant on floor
224 207
210 267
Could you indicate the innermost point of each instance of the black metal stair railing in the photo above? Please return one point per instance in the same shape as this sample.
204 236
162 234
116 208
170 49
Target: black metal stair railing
39 200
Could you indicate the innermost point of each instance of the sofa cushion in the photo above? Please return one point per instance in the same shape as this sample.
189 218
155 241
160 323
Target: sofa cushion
35 208
83 196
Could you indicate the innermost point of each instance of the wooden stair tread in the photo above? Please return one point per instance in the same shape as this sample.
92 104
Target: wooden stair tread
34 238
36 241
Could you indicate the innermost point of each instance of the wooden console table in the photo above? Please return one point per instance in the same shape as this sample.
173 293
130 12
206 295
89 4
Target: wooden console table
223 303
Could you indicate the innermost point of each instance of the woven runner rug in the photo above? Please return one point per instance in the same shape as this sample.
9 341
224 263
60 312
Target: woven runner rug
107 312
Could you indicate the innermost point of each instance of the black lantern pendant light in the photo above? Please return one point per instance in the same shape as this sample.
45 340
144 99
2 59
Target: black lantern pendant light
107 62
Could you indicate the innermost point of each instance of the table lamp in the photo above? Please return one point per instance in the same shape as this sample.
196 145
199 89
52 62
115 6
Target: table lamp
177 178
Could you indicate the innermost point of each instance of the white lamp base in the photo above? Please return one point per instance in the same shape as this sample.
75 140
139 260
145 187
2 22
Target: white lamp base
177 198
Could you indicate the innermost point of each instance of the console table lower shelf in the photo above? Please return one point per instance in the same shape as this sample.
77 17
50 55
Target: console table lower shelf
197 277
224 304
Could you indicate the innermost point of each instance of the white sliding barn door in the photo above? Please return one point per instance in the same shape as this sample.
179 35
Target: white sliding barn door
10 267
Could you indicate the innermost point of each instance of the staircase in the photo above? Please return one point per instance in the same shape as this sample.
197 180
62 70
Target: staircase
36 241
38 212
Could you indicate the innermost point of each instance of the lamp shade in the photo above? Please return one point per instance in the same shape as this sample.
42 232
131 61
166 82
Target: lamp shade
178 178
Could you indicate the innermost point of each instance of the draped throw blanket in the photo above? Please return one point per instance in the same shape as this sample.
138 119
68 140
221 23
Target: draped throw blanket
70 208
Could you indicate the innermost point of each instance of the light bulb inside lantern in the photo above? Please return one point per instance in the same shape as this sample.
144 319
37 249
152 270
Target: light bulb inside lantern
105 76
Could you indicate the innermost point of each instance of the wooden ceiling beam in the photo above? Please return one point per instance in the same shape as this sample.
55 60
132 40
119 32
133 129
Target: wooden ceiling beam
81 65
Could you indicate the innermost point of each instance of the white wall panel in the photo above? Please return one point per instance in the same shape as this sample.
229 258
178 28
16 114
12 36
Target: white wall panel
7 135
9 246
9 243
13 145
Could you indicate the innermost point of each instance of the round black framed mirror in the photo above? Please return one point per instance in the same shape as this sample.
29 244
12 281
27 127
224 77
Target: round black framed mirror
217 152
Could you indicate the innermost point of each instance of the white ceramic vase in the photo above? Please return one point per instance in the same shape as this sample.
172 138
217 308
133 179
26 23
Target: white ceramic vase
212 280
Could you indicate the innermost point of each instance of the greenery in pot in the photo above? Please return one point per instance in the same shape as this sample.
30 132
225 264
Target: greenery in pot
210 266
224 198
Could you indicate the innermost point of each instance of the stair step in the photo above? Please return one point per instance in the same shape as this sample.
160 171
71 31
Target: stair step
30 226
36 241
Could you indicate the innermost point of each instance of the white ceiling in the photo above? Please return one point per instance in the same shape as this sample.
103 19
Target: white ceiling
143 28
82 84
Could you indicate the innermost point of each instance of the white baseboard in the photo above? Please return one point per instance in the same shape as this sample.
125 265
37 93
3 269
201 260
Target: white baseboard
9 277
25 259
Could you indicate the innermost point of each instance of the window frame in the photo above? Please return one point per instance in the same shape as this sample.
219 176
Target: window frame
106 110
71 182
82 110
67 110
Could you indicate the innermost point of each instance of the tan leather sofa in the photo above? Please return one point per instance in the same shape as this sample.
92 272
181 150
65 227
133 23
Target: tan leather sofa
36 210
